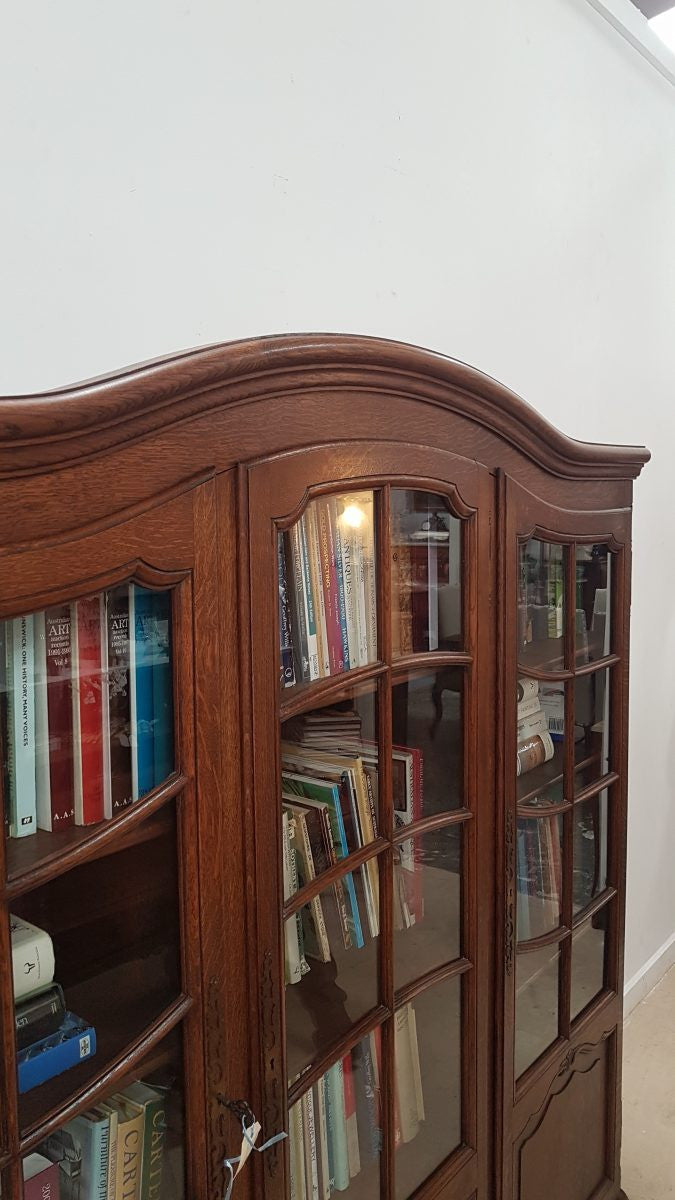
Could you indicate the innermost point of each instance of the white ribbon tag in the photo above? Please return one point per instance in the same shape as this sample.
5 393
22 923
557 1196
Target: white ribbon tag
247 1144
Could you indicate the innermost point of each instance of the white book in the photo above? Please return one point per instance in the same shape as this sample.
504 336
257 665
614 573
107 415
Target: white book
311 1155
32 957
322 1139
405 1075
370 578
361 606
417 1070
292 947
20 651
531 726
347 559
319 602
300 532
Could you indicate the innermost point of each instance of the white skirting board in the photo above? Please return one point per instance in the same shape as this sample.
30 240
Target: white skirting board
651 973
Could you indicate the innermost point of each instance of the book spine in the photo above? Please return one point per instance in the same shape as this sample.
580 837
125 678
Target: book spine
119 751
112 1153
308 601
286 671
322 1138
162 688
297 1155
292 951
370 583
140 618
130 1157
21 726
317 589
405 1075
102 1152
44 1186
311 1155
301 641
87 710
154 1138
353 1153
105 709
370 1135
337 1127
39 1016
43 799
360 553
347 553
330 588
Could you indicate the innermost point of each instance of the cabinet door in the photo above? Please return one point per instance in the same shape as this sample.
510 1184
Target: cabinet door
101 1032
565 589
371 582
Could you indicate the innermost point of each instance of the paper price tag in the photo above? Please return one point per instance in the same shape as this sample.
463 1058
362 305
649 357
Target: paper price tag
247 1144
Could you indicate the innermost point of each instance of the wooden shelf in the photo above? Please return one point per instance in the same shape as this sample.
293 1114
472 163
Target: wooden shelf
35 860
551 772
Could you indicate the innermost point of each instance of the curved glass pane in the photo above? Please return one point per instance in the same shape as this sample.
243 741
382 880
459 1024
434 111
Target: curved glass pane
326 565
541 616
590 850
426 576
593 614
589 960
592 727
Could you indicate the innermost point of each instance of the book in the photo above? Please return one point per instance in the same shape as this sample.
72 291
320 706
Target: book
351 1123
367 1114
532 752
298 604
526 689
109 1112
74 1042
407 1069
314 555
118 772
39 1015
297 1153
291 944
308 600
130 1132
87 707
329 585
310 1147
20 668
322 1139
336 1122
162 687
153 1103
286 668
32 957
40 1178
89 1135
529 707
54 779
314 925
141 648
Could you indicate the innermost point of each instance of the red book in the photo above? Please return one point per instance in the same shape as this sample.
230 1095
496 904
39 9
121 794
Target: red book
87 710
54 719
40 1178
329 584
353 1149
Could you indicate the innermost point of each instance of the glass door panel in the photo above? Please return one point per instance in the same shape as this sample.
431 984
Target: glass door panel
134 1133
86 716
541 605
327 580
428 743
537 987
539 876
592 726
426 573
589 850
428 1055
427 893
593 603
589 954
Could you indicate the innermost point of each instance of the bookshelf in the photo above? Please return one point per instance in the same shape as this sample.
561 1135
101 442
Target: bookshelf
313 708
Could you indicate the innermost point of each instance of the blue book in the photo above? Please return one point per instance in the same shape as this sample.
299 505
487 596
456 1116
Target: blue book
162 687
141 645
74 1042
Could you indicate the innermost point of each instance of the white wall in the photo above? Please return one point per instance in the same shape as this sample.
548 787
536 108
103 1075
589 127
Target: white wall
495 180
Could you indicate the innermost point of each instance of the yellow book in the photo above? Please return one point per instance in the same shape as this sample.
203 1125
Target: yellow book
130 1121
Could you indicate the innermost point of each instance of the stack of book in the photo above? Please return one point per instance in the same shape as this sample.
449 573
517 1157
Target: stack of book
329 810
534 742
539 876
40 1178
49 1039
336 1128
86 710
327 589
113 1151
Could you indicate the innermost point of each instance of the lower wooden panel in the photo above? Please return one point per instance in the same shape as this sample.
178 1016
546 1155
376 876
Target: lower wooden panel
564 1150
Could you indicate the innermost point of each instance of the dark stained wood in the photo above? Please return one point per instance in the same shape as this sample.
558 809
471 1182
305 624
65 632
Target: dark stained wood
177 474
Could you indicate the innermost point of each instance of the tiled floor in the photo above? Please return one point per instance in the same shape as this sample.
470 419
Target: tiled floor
648 1156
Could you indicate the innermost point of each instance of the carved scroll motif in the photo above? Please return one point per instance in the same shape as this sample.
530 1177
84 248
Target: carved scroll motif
509 916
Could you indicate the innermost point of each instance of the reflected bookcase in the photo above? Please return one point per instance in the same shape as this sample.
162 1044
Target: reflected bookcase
313 747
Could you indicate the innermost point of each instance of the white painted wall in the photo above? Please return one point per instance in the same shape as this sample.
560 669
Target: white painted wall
495 180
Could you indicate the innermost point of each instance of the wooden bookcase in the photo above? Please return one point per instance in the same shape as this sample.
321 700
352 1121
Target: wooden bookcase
470 1048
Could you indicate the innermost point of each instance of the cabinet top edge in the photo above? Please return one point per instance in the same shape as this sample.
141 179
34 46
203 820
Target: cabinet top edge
99 413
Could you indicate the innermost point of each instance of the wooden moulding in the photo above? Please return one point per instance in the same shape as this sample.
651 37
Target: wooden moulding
45 429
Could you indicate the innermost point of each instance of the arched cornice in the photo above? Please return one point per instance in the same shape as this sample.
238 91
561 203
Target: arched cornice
56 428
